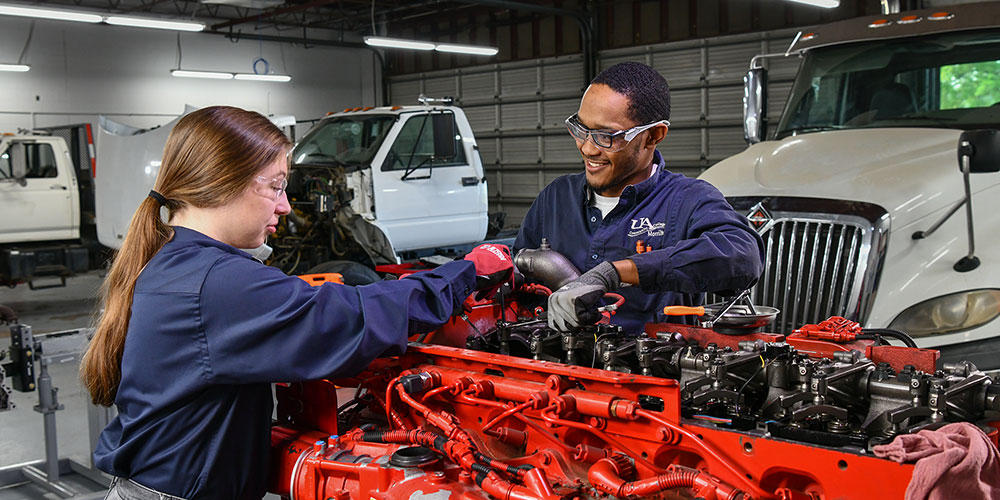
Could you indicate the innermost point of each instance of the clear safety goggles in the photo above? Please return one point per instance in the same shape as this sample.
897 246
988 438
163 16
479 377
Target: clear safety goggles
609 140
272 188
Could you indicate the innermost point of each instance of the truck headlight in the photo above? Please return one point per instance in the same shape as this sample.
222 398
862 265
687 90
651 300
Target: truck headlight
949 313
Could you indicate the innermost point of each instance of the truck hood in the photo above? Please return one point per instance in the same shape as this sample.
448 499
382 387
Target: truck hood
910 172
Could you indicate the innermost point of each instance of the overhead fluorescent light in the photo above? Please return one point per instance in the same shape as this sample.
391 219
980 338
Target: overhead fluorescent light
478 50
139 22
826 4
202 74
19 68
263 78
396 43
60 15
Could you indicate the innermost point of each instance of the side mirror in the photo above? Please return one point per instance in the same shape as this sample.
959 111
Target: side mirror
19 162
978 152
982 147
755 105
444 136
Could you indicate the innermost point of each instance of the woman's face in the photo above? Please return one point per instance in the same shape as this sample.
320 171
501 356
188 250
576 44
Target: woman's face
253 216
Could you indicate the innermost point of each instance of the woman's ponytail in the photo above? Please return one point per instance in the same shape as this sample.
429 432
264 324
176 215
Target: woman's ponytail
100 369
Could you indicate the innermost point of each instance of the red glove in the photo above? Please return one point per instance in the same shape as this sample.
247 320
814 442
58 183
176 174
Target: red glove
494 266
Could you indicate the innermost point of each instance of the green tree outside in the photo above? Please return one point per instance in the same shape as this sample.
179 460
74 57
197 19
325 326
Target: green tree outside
971 85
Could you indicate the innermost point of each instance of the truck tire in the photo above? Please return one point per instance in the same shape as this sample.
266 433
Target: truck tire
353 272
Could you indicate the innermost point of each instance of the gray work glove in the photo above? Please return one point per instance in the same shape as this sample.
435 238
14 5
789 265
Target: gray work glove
576 303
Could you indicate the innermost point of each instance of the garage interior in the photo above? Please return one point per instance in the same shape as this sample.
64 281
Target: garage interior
311 61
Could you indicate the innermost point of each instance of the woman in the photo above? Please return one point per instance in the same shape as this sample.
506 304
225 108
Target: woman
194 329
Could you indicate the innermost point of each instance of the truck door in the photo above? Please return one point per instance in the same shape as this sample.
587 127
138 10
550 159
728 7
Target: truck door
429 188
38 205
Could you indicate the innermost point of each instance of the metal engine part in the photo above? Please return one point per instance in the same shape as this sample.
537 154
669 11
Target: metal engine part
527 413
545 265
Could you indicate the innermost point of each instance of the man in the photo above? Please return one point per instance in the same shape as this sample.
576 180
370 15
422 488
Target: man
626 220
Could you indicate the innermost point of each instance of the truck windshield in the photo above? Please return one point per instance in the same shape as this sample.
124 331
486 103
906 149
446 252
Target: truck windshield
949 80
345 140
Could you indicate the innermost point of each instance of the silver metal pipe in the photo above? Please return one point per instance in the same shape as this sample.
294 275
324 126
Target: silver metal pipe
968 201
545 265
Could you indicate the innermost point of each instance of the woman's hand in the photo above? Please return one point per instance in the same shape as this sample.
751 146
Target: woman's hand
494 267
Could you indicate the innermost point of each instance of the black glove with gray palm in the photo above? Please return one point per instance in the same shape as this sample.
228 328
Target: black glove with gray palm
576 303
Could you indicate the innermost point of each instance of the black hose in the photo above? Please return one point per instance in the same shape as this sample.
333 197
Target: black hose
893 334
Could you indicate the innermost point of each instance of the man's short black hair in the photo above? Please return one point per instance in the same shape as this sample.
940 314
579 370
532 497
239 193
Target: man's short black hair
647 91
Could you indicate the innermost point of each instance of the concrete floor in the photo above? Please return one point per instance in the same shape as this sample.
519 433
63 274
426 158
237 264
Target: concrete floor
21 431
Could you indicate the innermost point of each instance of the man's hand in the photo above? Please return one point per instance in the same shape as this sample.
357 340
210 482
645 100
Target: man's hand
576 303
494 266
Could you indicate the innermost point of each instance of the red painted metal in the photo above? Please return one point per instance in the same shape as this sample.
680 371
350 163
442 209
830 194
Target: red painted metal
898 357
568 416
513 428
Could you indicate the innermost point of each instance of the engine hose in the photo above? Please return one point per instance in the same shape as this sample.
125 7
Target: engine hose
464 456
605 476
511 470
893 334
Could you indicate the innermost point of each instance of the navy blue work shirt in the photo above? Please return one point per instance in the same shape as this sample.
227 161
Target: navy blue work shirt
211 328
698 242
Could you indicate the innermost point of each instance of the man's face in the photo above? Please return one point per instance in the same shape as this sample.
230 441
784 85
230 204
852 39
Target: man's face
608 173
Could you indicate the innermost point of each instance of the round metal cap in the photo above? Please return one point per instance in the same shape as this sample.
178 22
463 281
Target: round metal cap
413 456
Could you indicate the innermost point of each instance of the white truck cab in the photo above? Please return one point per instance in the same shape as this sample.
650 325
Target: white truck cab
864 156
40 209
38 193
399 179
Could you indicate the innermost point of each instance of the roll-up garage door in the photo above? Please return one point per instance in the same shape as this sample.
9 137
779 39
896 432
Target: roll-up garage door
517 109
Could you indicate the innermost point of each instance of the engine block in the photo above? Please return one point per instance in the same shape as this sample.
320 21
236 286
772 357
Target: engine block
512 410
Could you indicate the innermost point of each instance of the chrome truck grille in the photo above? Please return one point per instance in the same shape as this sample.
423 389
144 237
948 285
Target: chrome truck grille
822 257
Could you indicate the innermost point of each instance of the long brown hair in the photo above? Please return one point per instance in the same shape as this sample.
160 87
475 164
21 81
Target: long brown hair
210 158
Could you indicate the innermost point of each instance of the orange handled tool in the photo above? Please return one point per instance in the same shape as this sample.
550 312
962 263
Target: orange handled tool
684 311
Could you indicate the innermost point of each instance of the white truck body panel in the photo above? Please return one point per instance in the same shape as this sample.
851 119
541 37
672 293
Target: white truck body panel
127 165
437 211
910 172
45 208
433 207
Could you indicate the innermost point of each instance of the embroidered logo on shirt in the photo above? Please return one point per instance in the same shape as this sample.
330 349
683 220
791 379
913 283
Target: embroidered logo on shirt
643 225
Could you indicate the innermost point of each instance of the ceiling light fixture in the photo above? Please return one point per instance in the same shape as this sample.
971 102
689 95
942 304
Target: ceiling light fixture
398 43
59 15
826 4
478 50
19 68
212 75
87 17
139 22
263 78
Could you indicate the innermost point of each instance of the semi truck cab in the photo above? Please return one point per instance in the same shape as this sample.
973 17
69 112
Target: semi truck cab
864 156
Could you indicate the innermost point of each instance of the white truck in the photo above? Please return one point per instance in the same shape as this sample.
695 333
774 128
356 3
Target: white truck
864 162
368 186
46 209
377 185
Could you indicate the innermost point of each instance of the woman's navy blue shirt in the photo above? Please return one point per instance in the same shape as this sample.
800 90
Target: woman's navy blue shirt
699 243
211 328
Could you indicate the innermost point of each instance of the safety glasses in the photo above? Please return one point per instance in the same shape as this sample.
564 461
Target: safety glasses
611 141
271 188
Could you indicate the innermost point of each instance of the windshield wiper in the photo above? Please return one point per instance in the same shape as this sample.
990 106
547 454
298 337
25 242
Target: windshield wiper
807 128
902 120
321 159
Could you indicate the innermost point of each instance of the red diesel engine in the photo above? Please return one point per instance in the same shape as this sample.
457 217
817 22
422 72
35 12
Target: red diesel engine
502 407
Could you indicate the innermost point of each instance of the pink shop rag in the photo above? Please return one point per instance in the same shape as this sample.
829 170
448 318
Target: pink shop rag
957 461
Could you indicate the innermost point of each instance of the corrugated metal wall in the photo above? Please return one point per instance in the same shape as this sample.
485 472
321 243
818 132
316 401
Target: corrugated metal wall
517 109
